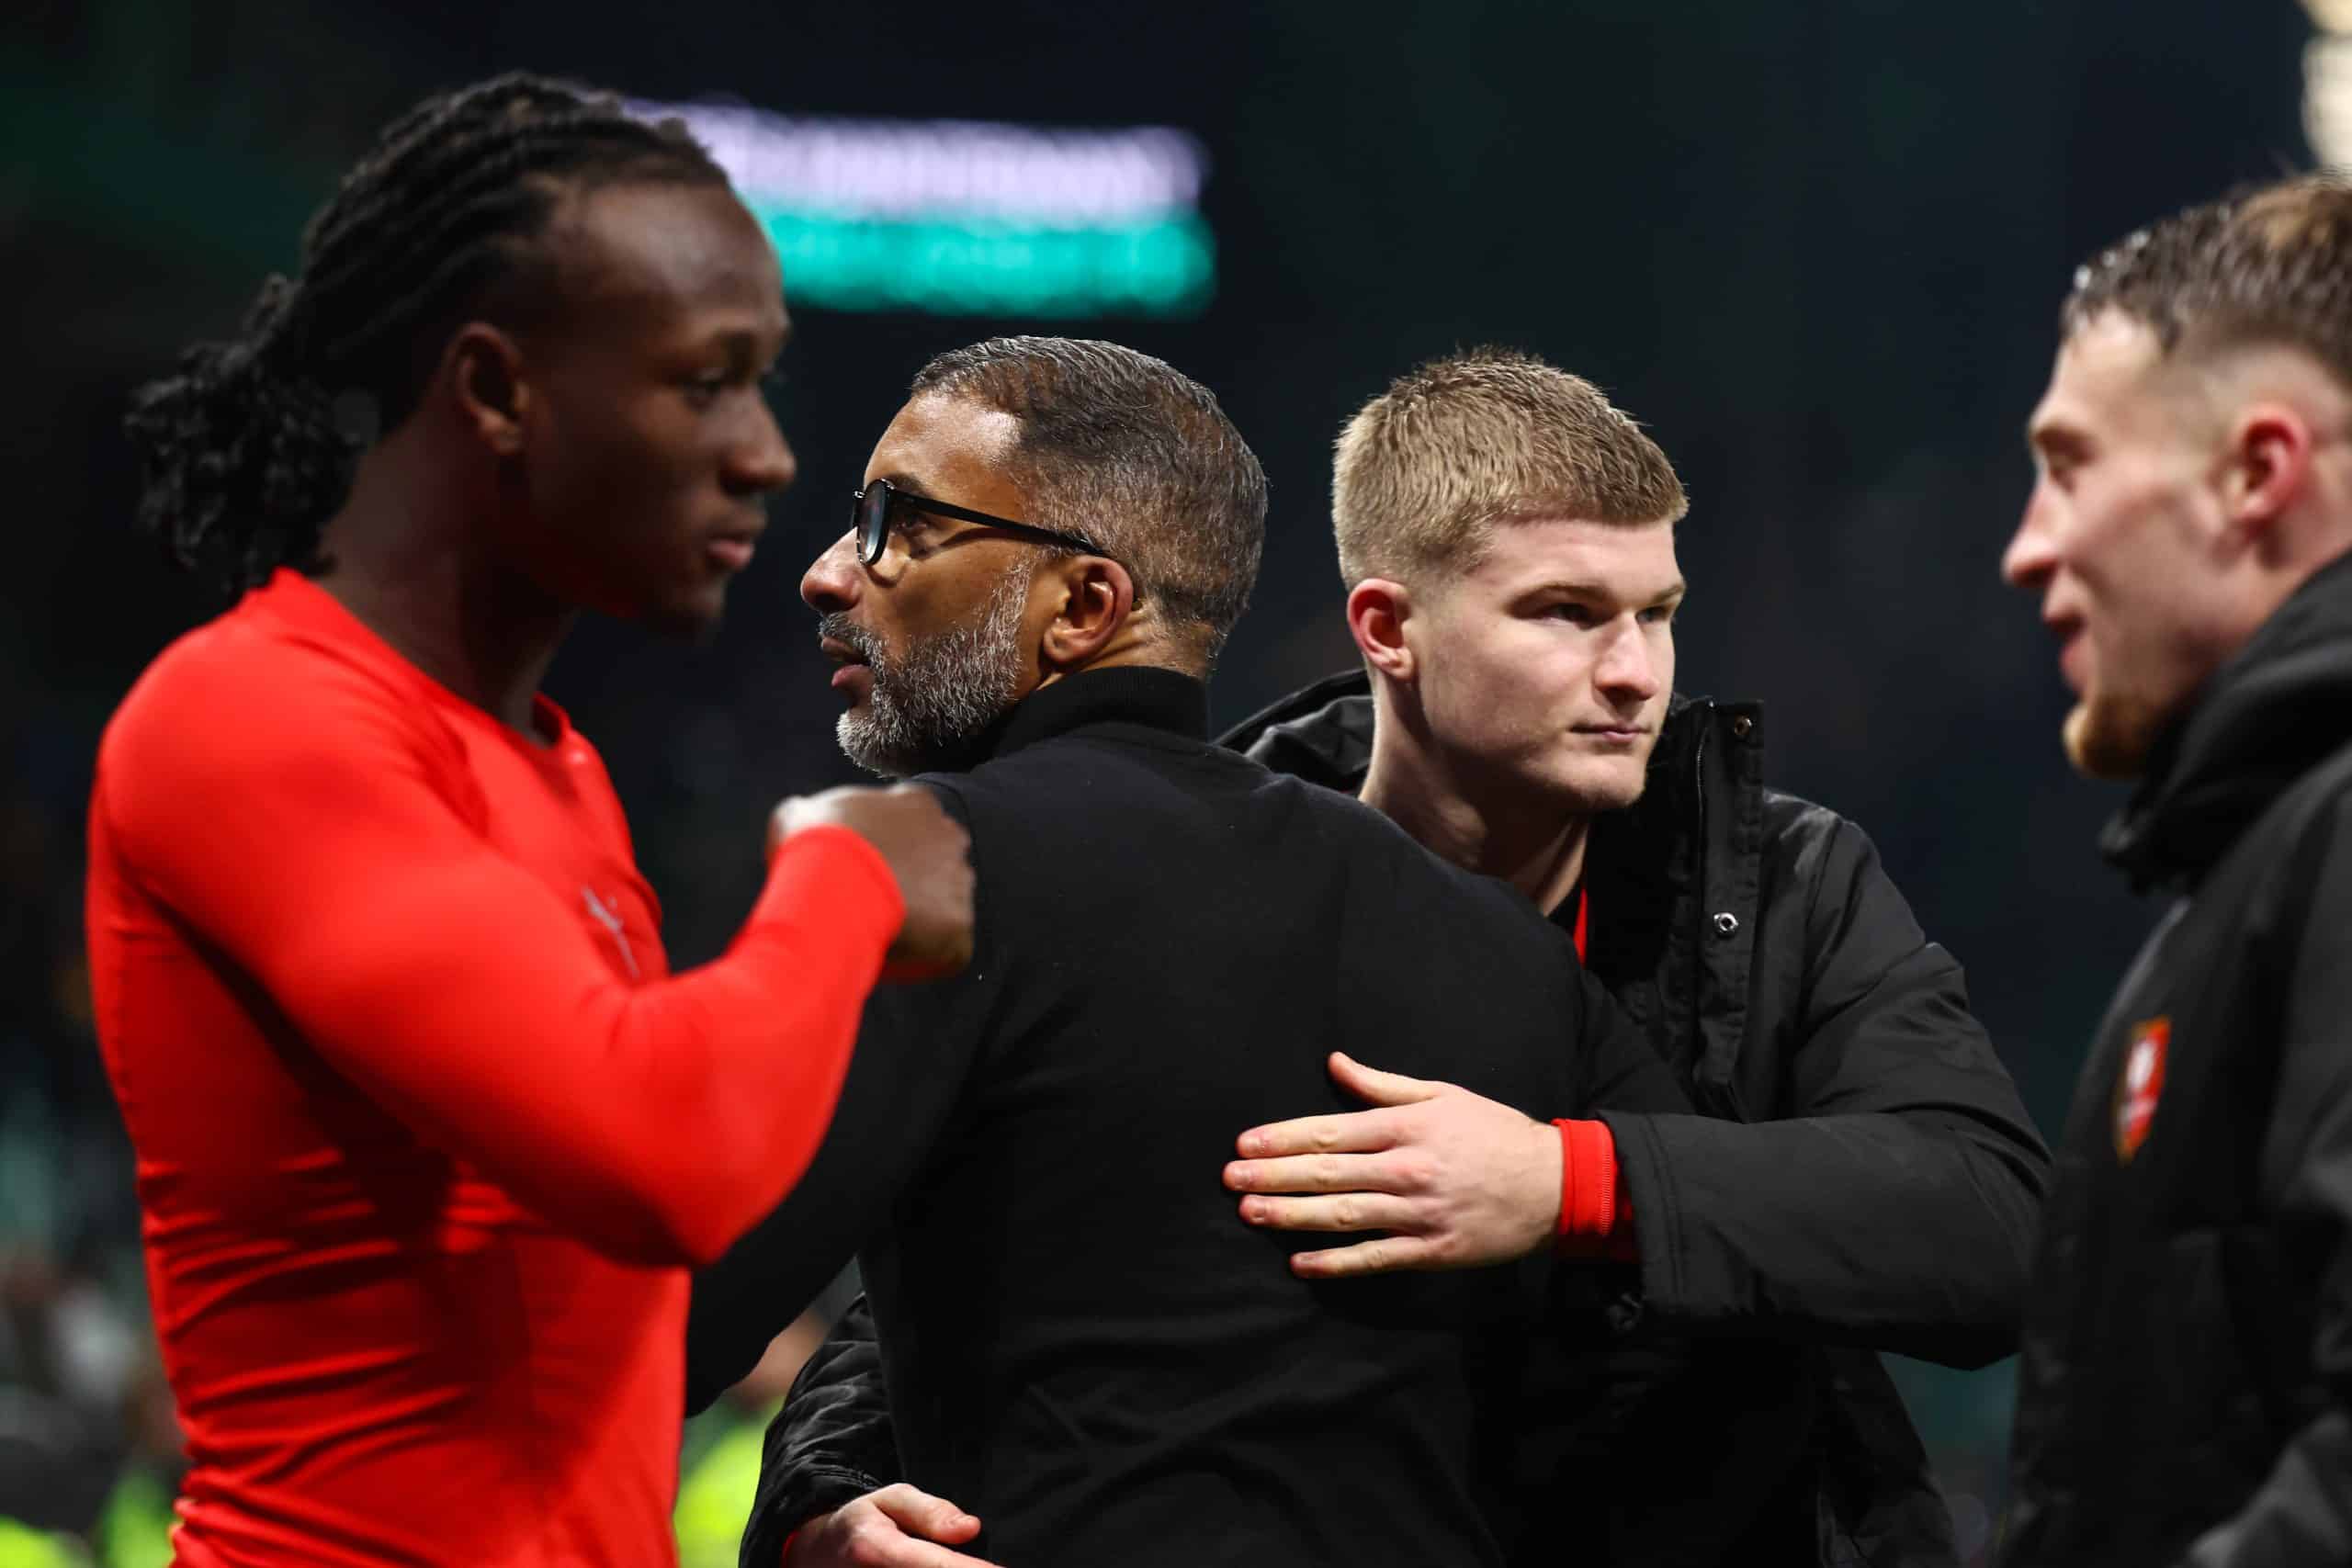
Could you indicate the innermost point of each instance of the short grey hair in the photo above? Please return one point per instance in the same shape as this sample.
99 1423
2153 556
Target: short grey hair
1127 451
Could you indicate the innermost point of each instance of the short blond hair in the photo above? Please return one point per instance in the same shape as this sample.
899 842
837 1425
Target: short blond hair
1429 468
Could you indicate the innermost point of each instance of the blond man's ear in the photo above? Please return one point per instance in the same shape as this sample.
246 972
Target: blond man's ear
1377 611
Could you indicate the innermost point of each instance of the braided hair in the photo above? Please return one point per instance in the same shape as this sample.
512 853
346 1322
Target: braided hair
249 447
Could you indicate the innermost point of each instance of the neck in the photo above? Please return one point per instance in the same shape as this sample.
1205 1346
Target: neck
411 557
1529 843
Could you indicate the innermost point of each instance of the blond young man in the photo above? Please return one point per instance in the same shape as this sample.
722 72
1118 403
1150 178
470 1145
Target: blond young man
2186 1389
1862 1176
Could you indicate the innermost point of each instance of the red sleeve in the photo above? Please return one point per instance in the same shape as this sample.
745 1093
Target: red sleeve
314 837
1595 1206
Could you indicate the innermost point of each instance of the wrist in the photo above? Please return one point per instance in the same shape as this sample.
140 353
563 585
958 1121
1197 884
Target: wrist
1546 1156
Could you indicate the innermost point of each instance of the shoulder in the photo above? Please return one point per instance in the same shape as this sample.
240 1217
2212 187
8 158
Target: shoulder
2318 806
2301 852
1821 870
1122 771
245 709
242 684
1809 840
1153 792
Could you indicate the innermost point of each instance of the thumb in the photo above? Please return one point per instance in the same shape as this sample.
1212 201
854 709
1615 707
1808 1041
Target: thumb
1381 1088
922 1515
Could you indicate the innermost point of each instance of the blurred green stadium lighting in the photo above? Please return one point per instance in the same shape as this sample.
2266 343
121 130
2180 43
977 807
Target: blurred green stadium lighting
970 217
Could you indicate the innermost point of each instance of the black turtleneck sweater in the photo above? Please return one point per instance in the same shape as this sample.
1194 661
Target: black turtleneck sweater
1085 1346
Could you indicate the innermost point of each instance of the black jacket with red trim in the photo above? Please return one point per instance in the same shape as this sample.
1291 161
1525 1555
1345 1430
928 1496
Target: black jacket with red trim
2186 1390
1861 1177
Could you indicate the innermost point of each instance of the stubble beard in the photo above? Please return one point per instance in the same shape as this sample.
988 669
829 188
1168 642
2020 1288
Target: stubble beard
930 706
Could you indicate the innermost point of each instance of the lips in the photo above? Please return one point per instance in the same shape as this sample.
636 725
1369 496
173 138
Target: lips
854 677
2074 660
2074 650
730 549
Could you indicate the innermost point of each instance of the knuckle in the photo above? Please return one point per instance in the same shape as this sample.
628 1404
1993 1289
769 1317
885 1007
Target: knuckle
1344 1213
1326 1170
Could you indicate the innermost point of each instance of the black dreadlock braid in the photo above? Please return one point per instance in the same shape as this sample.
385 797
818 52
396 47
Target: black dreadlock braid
249 449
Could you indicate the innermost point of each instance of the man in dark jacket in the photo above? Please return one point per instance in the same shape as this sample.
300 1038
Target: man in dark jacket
1861 1175
1081 1341
2187 1358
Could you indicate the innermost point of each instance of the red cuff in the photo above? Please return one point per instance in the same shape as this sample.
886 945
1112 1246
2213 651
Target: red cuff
1596 1208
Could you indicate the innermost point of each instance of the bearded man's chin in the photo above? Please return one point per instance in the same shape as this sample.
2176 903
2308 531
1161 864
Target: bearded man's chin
2109 739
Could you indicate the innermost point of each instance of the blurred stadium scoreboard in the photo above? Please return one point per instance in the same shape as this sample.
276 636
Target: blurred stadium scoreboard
970 217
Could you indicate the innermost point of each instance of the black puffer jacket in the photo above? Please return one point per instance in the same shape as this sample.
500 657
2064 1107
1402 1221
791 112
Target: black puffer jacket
2186 1392
1864 1176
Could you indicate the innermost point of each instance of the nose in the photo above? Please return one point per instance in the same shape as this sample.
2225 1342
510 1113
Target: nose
764 462
2033 554
830 584
1627 673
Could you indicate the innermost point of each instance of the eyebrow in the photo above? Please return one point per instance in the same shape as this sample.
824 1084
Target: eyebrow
1573 590
747 343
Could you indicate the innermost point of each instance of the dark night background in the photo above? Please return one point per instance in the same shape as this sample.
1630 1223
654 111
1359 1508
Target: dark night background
1817 246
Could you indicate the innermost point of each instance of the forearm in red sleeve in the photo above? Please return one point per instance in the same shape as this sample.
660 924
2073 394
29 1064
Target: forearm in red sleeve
657 1121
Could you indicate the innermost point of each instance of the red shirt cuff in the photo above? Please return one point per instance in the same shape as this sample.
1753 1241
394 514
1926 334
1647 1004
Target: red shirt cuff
1596 1208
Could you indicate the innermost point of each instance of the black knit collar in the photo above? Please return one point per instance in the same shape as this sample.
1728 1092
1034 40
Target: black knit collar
1158 699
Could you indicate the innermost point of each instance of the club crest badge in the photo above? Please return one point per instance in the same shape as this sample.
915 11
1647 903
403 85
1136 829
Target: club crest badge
2142 1080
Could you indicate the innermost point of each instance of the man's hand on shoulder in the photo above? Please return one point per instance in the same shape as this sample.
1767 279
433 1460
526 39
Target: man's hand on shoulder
930 856
897 1526
1457 1180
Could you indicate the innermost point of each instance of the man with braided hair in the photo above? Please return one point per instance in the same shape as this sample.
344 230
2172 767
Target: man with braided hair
2185 1393
426 1132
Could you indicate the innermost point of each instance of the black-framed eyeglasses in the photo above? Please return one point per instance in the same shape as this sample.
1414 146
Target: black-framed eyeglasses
870 511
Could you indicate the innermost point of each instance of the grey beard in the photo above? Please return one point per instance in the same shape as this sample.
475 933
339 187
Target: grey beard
930 706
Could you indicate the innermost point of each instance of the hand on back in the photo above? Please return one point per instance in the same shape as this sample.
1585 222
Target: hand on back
1455 1180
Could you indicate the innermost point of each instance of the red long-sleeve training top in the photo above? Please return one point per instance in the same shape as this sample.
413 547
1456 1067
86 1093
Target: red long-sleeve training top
426 1132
